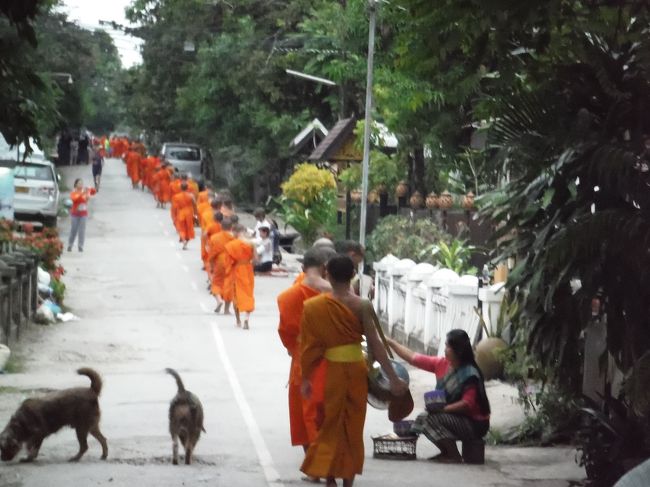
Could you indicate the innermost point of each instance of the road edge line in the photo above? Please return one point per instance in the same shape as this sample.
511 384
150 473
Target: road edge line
263 454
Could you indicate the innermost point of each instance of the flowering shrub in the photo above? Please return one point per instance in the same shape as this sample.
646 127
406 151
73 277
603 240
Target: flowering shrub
308 201
7 228
46 244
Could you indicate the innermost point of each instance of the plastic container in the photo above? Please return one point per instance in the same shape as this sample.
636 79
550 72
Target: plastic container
435 400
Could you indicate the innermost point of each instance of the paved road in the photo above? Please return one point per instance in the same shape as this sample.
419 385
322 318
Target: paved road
143 307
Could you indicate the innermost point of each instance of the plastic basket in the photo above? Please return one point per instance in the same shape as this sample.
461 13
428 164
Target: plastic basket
390 447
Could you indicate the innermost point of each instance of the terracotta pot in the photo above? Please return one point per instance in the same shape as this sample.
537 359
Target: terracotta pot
402 189
355 196
432 201
373 197
446 200
468 201
416 201
487 357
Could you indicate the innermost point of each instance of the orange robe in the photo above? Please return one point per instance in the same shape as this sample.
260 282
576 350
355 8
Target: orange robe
133 166
216 262
206 219
183 215
338 449
299 278
305 416
175 187
162 185
193 188
239 274
204 197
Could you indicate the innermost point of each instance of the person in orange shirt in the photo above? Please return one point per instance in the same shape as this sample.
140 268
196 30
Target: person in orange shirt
240 255
183 210
305 416
216 264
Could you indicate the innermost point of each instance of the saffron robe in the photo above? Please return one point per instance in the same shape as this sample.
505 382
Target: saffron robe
240 276
183 215
305 415
216 262
338 449
162 185
133 166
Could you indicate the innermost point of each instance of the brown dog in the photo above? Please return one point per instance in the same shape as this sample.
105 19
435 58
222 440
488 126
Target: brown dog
185 420
39 417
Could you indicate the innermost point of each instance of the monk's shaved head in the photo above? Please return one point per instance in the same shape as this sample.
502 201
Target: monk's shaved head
341 269
226 224
317 257
184 186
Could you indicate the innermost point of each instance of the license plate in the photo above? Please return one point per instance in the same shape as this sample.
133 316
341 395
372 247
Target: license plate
22 189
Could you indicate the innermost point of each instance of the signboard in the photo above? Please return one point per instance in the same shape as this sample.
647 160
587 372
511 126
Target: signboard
6 193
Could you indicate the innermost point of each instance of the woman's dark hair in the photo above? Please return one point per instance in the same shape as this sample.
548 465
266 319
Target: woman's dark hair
76 181
341 268
459 342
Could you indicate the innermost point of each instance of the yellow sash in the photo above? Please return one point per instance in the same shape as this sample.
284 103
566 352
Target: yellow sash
345 353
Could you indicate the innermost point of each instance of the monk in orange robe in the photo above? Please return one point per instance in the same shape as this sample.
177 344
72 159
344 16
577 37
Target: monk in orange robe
143 167
305 416
183 210
175 186
333 326
217 267
193 186
133 167
240 255
162 184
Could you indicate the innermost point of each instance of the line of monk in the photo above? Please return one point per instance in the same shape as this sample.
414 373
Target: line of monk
226 251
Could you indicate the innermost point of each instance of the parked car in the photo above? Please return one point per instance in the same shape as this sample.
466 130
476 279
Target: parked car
36 184
187 158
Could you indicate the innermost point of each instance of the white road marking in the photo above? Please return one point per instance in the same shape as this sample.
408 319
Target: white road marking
186 269
194 286
263 453
172 244
204 307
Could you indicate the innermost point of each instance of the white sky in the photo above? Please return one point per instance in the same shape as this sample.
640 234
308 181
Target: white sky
88 13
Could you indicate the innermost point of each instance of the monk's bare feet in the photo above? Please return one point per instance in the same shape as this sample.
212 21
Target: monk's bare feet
331 482
246 325
310 479
239 324
218 308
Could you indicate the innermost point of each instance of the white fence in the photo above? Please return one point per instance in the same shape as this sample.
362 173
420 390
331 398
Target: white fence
427 301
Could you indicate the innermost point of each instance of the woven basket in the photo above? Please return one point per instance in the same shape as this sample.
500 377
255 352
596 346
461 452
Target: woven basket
390 447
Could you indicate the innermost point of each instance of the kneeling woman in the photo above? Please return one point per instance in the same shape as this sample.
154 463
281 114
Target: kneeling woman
466 414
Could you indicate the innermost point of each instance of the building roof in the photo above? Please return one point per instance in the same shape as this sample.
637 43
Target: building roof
335 139
314 132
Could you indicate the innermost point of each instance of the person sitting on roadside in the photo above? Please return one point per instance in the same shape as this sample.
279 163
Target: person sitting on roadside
466 414
264 251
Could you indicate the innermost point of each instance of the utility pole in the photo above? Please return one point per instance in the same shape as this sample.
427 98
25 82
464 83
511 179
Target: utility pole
372 10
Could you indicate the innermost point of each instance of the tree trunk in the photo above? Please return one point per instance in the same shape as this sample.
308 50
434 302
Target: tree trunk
418 169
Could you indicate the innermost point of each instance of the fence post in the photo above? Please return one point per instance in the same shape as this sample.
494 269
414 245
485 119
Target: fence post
491 297
414 278
396 272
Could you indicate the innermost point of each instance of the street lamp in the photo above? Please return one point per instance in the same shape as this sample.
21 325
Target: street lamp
372 10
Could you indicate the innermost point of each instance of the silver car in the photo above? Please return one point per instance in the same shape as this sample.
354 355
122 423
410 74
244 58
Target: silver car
36 184
187 158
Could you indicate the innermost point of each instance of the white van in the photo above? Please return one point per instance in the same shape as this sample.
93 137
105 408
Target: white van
36 184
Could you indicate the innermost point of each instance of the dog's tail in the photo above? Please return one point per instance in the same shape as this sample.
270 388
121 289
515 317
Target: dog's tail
95 379
179 382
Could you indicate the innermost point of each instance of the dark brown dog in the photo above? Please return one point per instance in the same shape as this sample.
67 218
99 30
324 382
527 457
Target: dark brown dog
39 417
185 420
